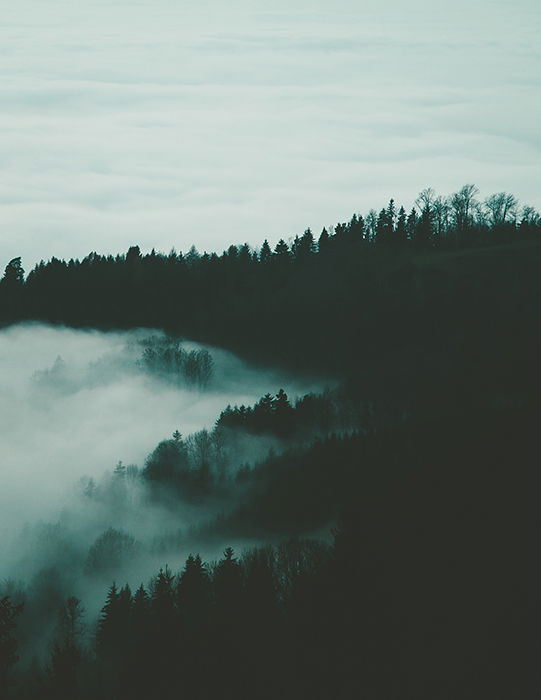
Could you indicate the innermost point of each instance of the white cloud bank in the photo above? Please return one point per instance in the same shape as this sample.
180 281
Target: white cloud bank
168 123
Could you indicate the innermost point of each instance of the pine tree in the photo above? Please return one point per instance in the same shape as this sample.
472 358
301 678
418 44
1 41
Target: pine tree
265 253
107 632
13 274
193 590
411 225
305 246
227 584
283 414
66 654
281 252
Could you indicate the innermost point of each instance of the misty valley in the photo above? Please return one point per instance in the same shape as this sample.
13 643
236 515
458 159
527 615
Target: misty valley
115 495
114 498
270 350
306 471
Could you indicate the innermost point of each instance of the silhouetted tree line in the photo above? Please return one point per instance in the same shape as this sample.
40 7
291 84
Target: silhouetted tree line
214 463
271 414
375 291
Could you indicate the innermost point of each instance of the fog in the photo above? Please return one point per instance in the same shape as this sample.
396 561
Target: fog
73 405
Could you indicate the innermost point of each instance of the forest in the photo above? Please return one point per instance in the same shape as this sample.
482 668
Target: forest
375 536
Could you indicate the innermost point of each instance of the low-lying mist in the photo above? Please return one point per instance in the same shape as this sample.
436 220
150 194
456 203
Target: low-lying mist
80 411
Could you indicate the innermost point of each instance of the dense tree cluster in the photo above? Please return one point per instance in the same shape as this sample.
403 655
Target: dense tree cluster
165 357
430 589
214 463
8 643
111 550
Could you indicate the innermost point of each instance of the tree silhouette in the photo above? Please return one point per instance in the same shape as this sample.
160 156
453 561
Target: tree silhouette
8 644
64 668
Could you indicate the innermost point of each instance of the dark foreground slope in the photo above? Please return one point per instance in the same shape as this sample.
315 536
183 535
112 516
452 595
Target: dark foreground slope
430 586
429 590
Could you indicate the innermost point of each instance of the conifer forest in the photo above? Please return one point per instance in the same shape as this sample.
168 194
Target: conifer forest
374 537
270 350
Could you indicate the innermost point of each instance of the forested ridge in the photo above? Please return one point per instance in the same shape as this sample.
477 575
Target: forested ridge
395 516
393 278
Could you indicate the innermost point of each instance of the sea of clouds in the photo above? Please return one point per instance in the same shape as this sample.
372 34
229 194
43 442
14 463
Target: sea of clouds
168 123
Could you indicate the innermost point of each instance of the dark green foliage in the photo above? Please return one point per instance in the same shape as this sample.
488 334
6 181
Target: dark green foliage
433 565
114 641
423 463
184 467
64 670
205 465
12 291
111 551
8 644
311 415
168 462
13 275
165 358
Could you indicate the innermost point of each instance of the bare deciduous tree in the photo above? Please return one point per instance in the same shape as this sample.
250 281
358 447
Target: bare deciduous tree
464 207
501 207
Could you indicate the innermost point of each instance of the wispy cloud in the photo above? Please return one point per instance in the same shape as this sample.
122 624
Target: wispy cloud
100 409
164 124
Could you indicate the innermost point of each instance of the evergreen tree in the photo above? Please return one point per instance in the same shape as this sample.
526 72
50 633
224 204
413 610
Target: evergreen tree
281 251
163 639
11 290
323 241
194 592
8 644
283 414
64 670
227 585
305 246
13 275
265 253
194 603
411 225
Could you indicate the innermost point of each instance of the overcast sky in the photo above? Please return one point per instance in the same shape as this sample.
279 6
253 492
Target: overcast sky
167 123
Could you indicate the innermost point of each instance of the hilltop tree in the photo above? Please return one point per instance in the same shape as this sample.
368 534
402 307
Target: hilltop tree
501 208
463 207
425 224
11 290
305 246
283 414
323 241
265 253
13 274
281 251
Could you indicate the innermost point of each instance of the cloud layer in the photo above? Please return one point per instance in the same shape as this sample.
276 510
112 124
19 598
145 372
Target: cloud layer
101 409
166 124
